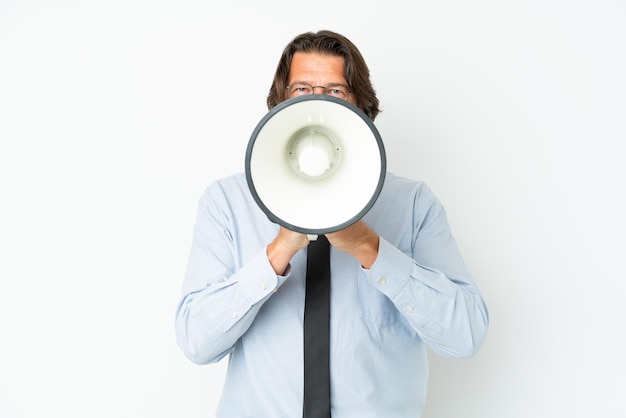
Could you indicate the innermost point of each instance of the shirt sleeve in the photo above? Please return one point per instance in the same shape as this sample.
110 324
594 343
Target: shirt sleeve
431 286
221 294
211 320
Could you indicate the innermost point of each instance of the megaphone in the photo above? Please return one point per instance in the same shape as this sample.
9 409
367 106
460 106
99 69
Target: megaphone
315 164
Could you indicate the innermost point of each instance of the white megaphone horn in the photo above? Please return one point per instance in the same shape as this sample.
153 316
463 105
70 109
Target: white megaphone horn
315 164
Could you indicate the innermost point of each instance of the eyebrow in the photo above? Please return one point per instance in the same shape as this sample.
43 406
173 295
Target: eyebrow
313 85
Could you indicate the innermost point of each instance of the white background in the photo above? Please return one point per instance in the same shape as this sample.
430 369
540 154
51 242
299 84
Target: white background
114 116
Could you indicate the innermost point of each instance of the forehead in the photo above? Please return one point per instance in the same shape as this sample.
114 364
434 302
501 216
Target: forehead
316 67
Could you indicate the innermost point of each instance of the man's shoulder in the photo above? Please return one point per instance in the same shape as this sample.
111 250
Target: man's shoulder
231 185
395 184
234 180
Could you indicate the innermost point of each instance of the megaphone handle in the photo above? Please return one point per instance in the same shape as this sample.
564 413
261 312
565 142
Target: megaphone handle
312 237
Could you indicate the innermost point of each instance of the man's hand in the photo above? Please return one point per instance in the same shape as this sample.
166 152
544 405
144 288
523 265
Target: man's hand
357 240
284 247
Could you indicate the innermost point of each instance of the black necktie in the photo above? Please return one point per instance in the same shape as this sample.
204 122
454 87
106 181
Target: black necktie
316 331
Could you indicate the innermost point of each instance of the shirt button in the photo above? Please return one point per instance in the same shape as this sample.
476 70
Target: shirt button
263 286
409 309
382 281
235 314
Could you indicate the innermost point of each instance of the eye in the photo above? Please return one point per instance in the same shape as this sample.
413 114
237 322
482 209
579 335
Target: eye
336 92
300 89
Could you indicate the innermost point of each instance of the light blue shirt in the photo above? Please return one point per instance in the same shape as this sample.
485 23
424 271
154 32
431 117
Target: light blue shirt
418 293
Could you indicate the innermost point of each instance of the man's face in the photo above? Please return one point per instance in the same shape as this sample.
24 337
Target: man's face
319 71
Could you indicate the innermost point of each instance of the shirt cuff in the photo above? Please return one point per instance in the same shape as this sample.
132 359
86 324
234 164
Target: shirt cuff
391 274
391 271
258 279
